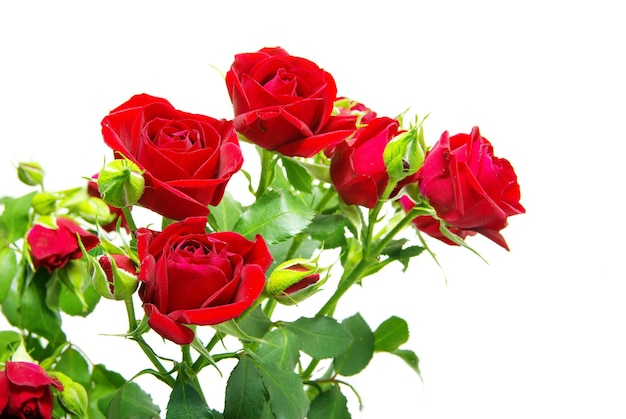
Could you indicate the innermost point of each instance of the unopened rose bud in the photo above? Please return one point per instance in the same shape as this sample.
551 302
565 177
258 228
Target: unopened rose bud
73 397
94 210
44 203
121 183
30 173
115 276
294 281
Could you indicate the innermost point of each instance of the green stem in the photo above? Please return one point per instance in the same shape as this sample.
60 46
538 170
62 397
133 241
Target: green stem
202 362
410 216
269 307
267 168
346 281
129 219
147 350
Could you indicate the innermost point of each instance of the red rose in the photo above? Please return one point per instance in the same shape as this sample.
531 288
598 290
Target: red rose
53 248
188 159
282 102
468 186
25 391
193 277
357 167
92 190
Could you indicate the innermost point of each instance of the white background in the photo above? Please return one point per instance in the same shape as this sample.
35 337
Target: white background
537 333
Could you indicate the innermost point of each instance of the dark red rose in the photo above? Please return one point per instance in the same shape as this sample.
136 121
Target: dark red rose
189 276
188 158
357 167
348 116
25 391
53 248
468 186
282 102
92 190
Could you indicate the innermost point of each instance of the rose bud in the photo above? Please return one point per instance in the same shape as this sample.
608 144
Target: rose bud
117 213
294 281
121 183
44 203
93 210
115 276
357 166
30 173
74 397
25 391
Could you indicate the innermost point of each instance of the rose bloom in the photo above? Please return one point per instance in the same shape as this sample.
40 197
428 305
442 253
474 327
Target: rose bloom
189 276
470 188
188 158
282 102
92 190
54 248
25 391
357 166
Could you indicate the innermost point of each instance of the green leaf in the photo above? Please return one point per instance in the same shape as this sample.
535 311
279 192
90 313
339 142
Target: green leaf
29 311
105 385
186 400
281 347
331 404
329 229
70 304
395 251
281 250
245 393
131 402
9 341
404 155
15 219
297 175
410 358
391 333
8 270
231 327
74 365
225 215
74 276
285 390
255 324
360 352
321 337
276 216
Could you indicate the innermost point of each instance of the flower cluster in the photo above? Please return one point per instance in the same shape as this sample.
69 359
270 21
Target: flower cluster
335 176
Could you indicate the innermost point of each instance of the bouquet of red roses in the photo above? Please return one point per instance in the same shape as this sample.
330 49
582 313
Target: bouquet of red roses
339 194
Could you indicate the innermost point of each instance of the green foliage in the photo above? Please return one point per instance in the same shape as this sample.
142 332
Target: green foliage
285 391
321 337
15 219
298 176
277 216
186 400
390 334
245 392
130 401
8 270
280 347
330 404
360 351
224 216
